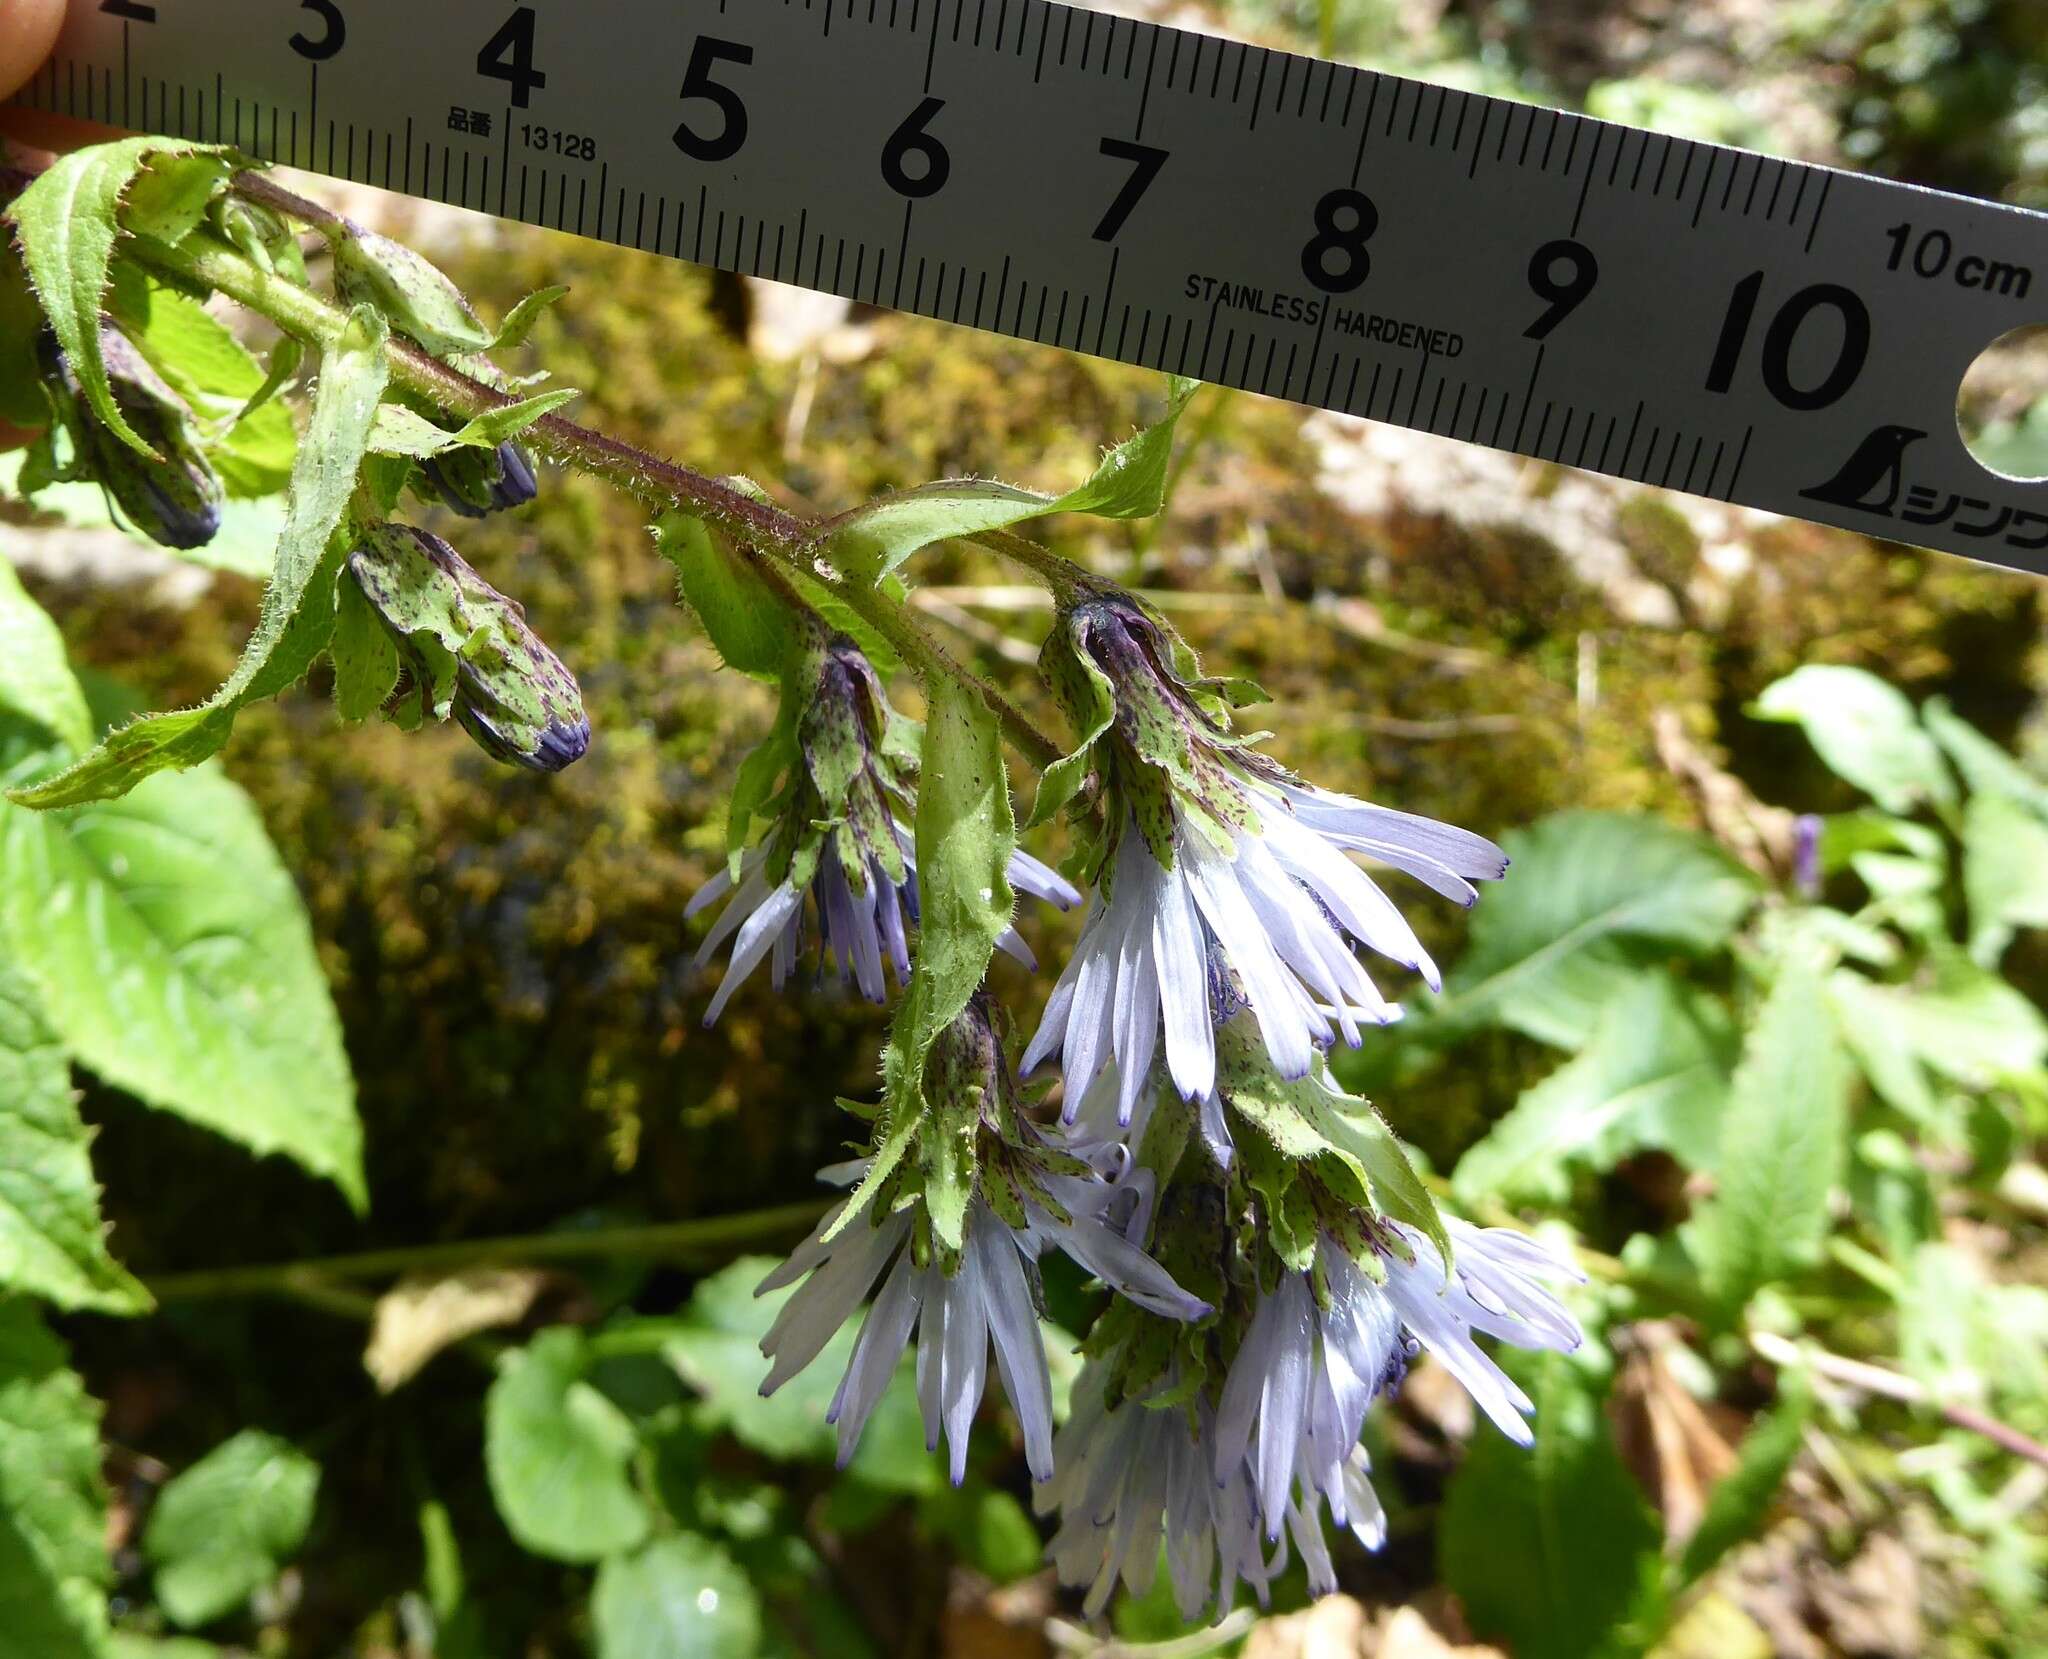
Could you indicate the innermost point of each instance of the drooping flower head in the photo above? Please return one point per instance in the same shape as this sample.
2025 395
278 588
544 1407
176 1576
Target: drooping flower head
174 500
1131 1476
468 650
837 835
1222 1477
1325 1342
1222 880
953 1231
1289 1206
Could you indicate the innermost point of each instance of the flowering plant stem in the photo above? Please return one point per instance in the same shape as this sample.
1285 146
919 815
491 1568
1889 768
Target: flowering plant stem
710 1236
778 541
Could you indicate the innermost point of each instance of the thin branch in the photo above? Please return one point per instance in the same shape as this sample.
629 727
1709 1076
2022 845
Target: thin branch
676 1239
1876 1379
765 528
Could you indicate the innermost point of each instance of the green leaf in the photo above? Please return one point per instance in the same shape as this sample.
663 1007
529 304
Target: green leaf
965 836
365 659
53 1506
225 1528
2005 872
986 1528
1959 1022
714 1345
966 832
1985 767
749 625
1782 1145
1547 951
1062 780
1543 1547
1864 731
1963 1333
520 319
1847 836
681 1595
168 948
558 1454
399 430
201 360
1355 1128
298 606
1653 1074
1741 1499
1130 482
66 222
52 1241
1882 1051
36 681
173 191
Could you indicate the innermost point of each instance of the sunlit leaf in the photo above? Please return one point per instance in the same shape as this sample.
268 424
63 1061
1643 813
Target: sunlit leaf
399 430
2005 872
519 321
558 1454
1864 730
1783 1140
1130 482
1654 1074
36 681
169 950
683 1594
225 1527
1985 767
52 1240
54 1571
751 628
1551 943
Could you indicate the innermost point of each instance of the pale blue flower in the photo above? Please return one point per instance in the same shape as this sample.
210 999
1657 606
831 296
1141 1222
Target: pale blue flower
863 918
1143 1474
986 1299
1269 926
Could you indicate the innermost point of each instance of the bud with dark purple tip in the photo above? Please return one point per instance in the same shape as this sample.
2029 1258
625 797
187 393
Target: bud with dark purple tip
474 482
469 651
175 501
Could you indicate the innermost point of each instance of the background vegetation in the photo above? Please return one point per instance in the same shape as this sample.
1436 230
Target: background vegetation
1792 1110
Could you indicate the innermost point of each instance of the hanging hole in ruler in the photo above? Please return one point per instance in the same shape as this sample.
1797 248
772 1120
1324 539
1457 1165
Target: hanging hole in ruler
2002 405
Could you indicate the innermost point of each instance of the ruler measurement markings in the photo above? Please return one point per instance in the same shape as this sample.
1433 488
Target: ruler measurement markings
1441 260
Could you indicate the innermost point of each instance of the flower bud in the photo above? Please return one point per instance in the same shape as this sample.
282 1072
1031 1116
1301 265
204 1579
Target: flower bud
175 501
418 298
469 650
474 482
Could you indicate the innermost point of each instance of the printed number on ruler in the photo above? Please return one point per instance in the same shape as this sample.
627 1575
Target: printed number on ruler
1726 323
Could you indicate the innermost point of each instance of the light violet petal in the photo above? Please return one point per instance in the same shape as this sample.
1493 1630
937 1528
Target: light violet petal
754 942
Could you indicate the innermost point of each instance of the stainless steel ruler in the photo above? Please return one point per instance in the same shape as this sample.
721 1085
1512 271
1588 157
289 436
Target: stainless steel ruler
1682 314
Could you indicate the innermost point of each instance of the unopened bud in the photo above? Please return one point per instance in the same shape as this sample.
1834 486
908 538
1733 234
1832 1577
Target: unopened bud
474 482
174 501
418 298
469 650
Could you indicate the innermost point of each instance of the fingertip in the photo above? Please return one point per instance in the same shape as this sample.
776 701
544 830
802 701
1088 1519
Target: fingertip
28 29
